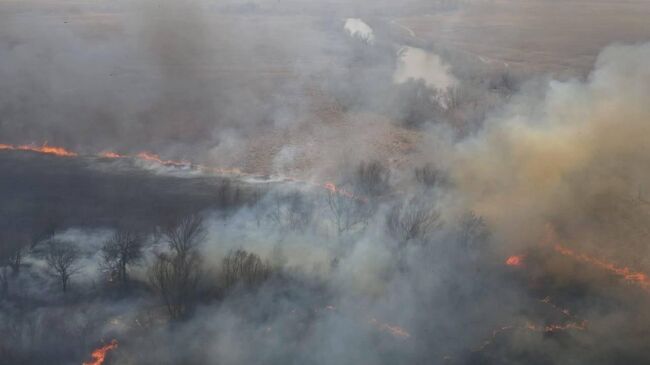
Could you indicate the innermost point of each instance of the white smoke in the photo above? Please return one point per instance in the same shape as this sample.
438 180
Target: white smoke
418 64
357 28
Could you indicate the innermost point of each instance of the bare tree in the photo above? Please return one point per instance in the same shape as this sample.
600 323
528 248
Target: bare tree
244 267
473 231
11 253
428 176
291 211
347 213
122 250
176 274
473 236
184 236
299 211
176 280
371 179
12 249
62 260
412 221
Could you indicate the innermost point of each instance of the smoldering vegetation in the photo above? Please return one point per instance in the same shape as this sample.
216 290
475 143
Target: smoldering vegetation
375 197
300 273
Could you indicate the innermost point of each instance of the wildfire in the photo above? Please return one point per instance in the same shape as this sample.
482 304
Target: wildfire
626 273
333 189
581 326
495 333
529 326
99 355
564 311
50 150
330 186
152 157
395 331
515 260
110 154
148 156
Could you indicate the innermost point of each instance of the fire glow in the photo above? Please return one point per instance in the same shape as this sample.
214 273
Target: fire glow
148 156
529 326
99 355
515 260
44 148
395 331
152 157
110 154
333 189
626 273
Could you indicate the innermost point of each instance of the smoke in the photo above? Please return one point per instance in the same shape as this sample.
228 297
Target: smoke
563 156
357 28
417 64
444 253
196 80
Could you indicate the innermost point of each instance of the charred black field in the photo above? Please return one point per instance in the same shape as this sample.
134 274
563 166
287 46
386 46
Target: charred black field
324 182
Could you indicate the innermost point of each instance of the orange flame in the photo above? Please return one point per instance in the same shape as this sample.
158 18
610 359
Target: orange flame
330 186
111 154
50 150
515 260
99 355
152 157
155 158
148 156
626 273
333 189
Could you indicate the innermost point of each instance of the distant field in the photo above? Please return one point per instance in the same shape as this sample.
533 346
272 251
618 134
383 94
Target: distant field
540 35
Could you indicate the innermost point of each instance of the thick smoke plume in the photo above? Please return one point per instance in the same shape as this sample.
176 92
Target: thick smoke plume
322 182
570 155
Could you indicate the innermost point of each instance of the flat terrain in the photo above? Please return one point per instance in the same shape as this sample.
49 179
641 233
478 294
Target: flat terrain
539 35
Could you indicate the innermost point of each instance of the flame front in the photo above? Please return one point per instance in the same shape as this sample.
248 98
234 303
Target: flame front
152 157
50 150
626 273
148 156
99 355
333 189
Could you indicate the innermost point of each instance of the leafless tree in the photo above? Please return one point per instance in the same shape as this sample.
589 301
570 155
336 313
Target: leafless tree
291 211
412 221
347 213
244 267
371 179
62 259
428 176
184 236
12 249
176 274
122 250
11 254
473 232
176 280
299 211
